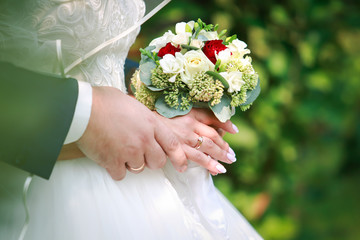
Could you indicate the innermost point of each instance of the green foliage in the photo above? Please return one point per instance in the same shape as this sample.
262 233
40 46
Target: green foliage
145 72
298 149
217 76
223 110
165 110
251 95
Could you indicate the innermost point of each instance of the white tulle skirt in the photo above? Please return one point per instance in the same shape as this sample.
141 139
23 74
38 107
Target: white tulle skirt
81 201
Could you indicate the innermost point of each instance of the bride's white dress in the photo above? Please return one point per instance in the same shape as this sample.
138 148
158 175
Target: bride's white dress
81 201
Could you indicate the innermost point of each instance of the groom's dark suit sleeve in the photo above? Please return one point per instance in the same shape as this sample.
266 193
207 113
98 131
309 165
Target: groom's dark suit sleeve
36 111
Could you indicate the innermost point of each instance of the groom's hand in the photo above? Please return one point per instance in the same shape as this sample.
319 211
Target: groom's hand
122 133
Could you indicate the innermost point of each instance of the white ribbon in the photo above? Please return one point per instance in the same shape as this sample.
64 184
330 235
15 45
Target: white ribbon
27 217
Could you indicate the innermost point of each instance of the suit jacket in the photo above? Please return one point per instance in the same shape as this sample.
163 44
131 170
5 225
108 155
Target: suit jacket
36 111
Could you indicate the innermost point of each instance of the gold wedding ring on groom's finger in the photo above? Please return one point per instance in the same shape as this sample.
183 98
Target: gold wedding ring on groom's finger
199 142
136 170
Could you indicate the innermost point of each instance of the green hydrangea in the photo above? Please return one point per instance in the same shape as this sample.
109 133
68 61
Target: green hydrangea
160 79
142 93
238 64
205 89
245 107
172 97
238 98
185 102
251 80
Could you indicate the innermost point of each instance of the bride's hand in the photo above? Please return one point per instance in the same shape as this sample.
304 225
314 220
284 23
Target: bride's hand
202 122
122 133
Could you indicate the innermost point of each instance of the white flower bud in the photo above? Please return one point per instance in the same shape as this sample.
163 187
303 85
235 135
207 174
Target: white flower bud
234 79
171 64
237 47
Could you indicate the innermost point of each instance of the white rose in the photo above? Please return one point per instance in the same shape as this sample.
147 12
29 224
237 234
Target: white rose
238 48
209 35
171 64
234 79
161 41
195 62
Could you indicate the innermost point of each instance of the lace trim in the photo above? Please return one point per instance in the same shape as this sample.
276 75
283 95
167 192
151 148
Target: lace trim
117 38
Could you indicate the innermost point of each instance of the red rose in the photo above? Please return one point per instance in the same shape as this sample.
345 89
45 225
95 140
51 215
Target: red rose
168 49
212 47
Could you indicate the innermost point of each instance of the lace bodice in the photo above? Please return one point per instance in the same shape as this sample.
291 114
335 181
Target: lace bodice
28 36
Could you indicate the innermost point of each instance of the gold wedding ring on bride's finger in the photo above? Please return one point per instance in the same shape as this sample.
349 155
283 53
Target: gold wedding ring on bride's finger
136 170
199 142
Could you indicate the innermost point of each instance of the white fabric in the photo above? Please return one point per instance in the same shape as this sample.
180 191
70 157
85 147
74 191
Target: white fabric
82 113
81 201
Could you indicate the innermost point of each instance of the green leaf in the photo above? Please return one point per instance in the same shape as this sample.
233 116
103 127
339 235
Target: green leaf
146 55
197 31
163 109
188 47
230 39
222 33
223 111
217 64
219 77
145 72
252 94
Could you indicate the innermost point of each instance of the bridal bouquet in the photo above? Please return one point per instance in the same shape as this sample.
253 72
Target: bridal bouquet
196 67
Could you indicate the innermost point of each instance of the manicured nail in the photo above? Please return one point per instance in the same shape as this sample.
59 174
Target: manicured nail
221 168
231 151
235 128
231 157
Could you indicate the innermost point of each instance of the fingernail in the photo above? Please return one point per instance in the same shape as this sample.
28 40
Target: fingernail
221 168
231 151
231 157
235 128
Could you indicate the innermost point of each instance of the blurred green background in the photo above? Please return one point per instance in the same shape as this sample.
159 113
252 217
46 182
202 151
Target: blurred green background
298 169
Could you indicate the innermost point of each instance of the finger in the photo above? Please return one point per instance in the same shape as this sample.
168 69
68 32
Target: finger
210 148
221 132
208 118
155 156
206 131
136 170
117 172
203 160
171 146
193 140
136 162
